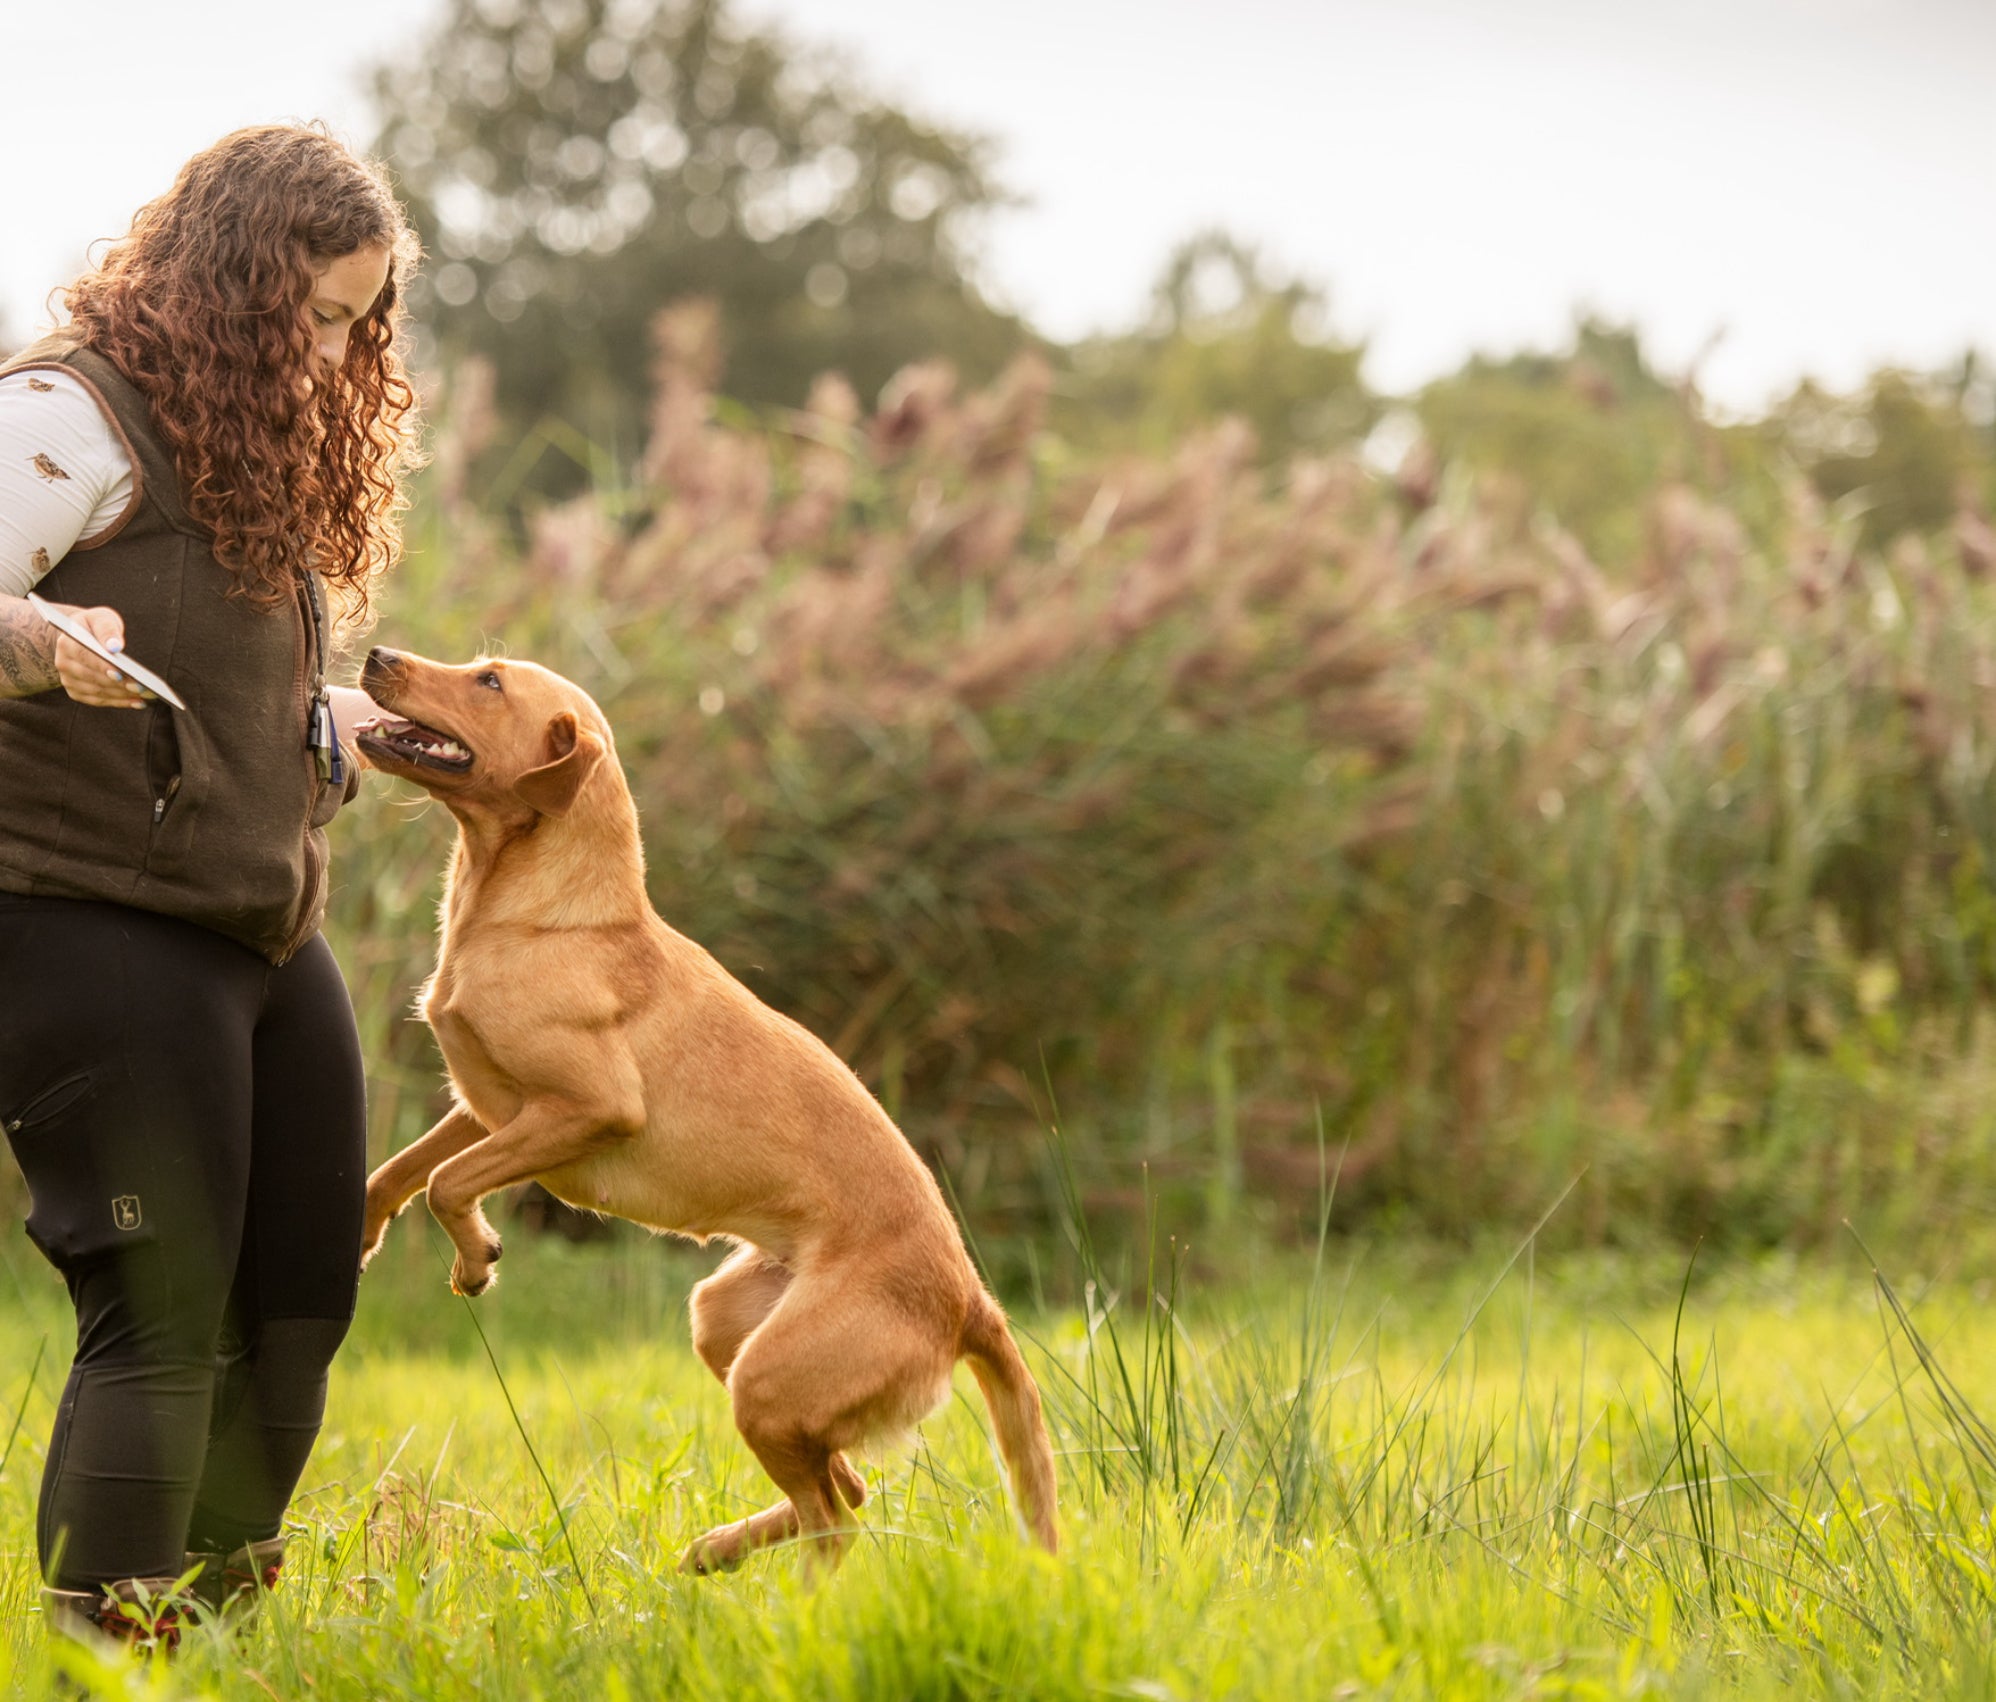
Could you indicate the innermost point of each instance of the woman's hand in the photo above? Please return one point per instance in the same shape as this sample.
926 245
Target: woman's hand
35 658
84 676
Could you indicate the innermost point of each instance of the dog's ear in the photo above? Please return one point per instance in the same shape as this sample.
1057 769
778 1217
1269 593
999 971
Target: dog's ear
572 752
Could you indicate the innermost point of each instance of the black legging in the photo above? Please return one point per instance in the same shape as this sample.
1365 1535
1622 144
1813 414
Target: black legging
191 1122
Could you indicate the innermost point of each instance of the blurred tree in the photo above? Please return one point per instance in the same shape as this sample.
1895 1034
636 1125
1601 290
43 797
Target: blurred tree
1224 335
1590 433
572 165
1911 449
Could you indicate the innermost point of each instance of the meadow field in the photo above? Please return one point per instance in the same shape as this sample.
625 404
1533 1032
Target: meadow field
1365 1470
1606 907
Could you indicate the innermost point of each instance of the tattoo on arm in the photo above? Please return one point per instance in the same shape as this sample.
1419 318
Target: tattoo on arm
27 650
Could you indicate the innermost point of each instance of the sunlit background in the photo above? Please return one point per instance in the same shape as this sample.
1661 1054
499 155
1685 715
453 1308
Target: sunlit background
1771 189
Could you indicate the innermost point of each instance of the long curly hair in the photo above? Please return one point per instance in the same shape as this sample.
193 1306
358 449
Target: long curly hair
204 306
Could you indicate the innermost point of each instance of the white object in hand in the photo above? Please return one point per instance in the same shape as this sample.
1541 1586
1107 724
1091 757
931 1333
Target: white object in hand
70 627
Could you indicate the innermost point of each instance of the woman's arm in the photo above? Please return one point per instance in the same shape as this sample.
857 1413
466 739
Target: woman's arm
350 708
27 650
65 479
35 658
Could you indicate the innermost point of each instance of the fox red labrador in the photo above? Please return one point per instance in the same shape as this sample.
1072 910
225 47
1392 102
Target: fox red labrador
595 1050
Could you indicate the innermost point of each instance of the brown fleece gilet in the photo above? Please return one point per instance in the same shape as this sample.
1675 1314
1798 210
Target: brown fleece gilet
215 813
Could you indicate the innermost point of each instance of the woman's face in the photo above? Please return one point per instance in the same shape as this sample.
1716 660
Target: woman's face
343 291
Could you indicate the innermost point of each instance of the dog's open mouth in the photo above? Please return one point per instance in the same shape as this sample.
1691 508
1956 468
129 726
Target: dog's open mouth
406 741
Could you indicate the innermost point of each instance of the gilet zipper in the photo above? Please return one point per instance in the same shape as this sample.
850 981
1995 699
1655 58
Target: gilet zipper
303 607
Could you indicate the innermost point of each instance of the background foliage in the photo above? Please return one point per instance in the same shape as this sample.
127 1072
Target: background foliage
571 165
1539 774
1236 806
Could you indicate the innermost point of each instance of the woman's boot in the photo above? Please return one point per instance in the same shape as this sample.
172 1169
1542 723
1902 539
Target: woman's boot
228 1585
141 1613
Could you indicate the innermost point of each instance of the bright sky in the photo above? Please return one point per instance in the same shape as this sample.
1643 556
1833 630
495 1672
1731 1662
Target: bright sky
1810 182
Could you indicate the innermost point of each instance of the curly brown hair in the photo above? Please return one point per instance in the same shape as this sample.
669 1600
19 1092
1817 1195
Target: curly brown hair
204 307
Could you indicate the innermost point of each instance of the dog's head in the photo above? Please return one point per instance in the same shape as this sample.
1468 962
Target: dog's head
490 737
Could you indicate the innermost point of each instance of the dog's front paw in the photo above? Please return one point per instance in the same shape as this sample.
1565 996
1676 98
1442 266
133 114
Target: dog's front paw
374 1231
474 1275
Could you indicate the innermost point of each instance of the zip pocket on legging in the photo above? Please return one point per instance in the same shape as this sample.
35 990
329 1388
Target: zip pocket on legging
90 1175
52 1101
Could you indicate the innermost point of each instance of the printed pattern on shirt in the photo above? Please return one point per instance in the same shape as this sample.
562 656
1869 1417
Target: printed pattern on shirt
64 475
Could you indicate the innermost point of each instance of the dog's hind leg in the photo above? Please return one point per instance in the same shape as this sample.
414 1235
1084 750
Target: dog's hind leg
731 1304
726 1546
803 1468
834 1363
726 1310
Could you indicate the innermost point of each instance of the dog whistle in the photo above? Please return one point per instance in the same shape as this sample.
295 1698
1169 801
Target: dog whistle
325 743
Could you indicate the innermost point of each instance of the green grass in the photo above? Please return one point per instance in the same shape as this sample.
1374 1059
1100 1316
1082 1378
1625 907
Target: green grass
1354 1475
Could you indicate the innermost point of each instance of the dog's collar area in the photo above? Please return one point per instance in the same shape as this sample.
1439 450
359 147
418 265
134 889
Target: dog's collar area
411 742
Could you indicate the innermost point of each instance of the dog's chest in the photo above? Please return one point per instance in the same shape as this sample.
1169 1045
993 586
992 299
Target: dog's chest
478 1074
477 1068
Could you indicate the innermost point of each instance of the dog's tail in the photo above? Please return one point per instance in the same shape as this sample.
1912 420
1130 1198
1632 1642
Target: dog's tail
1014 1400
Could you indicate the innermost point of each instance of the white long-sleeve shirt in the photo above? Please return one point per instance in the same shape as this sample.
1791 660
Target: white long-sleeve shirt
66 479
65 475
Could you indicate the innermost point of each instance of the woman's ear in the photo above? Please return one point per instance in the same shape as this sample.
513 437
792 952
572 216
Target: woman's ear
572 752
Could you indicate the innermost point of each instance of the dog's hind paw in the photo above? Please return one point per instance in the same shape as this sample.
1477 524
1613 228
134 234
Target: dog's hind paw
720 1550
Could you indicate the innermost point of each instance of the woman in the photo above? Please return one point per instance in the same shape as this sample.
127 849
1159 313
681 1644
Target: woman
204 458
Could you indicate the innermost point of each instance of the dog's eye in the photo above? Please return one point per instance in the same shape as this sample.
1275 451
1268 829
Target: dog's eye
490 679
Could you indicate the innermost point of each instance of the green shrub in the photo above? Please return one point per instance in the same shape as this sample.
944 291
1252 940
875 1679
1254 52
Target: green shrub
1230 806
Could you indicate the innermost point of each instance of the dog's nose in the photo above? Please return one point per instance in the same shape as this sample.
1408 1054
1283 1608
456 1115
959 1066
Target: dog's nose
381 665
